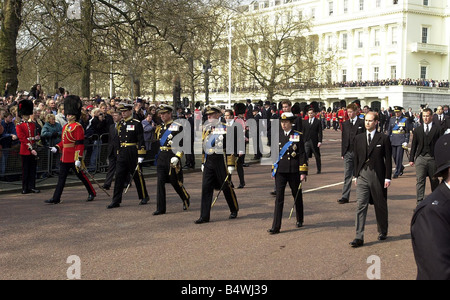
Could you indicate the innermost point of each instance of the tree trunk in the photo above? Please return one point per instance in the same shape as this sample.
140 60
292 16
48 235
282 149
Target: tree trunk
86 61
10 22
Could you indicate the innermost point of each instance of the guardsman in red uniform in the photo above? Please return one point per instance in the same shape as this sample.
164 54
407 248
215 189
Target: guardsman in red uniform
72 149
26 135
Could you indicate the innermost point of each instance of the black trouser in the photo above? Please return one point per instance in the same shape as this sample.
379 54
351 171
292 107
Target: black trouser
281 180
64 169
311 149
240 168
214 175
127 164
29 165
163 169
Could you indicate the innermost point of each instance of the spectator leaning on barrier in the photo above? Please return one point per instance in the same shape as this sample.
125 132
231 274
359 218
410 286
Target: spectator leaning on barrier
51 132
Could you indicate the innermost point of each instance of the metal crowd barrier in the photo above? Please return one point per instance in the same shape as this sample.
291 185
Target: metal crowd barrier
95 159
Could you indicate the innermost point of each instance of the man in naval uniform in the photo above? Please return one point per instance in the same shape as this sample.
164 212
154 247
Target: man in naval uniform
130 156
168 163
399 131
217 166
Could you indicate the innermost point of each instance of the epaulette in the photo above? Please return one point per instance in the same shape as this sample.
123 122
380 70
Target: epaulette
299 132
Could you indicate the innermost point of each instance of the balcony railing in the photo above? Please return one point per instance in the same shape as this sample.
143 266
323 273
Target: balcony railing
429 48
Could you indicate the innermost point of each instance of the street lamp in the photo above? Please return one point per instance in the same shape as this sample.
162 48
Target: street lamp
207 69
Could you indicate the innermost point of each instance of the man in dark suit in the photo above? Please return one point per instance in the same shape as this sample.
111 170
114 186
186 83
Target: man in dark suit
439 118
113 147
350 129
430 229
422 153
292 168
373 170
312 133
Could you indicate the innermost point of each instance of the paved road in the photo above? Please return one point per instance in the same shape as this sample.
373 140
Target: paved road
131 243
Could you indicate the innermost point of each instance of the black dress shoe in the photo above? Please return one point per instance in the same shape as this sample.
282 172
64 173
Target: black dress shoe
342 201
144 201
273 231
401 171
186 203
357 243
157 213
299 224
106 187
35 191
274 193
201 221
382 236
24 192
241 186
90 198
51 201
395 176
233 215
113 205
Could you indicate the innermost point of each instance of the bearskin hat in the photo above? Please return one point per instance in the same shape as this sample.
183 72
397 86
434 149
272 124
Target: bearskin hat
72 106
25 108
240 108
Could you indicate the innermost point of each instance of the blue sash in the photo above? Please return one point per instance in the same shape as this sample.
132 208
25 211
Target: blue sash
397 125
163 139
282 152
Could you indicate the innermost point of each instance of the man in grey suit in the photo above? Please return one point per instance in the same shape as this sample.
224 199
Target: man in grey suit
373 170
350 129
422 153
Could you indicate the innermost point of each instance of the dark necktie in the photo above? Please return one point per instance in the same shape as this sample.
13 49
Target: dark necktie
428 130
370 138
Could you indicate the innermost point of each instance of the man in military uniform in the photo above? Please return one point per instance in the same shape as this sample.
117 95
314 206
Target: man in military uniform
26 133
168 163
217 166
130 156
430 225
399 131
72 149
292 168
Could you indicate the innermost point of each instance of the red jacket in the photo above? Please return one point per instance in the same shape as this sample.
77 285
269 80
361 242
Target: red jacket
72 142
25 134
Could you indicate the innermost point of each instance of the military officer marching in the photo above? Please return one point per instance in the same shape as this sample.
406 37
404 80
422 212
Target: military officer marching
71 148
217 166
168 164
399 132
130 156
291 167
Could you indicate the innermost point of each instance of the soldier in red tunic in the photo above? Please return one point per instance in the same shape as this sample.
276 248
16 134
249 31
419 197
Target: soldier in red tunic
72 148
26 135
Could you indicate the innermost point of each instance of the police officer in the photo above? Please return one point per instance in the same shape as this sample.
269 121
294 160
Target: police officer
168 163
430 225
292 168
217 166
130 156
399 131
72 149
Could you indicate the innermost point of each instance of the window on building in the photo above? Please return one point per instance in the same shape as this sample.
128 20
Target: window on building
376 71
330 8
344 75
393 72
360 39
394 35
425 2
344 41
328 42
424 35
423 72
395 2
345 6
377 3
376 37
361 4
359 74
313 13
329 76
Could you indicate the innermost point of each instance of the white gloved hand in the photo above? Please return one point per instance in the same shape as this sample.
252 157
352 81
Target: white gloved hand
405 145
174 161
140 160
447 131
78 164
202 167
53 149
230 170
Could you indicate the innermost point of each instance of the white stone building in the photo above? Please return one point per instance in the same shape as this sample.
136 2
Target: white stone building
397 49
